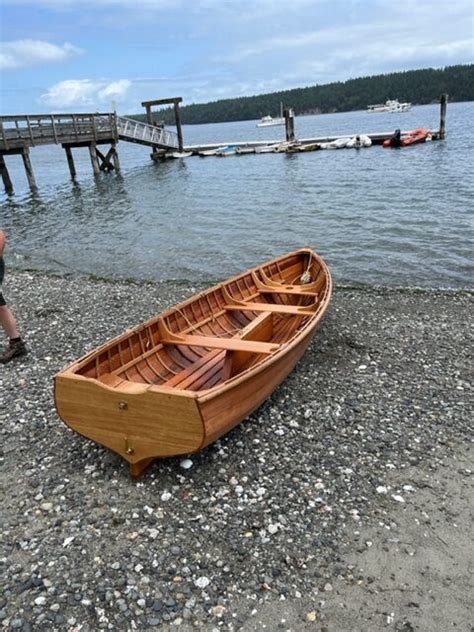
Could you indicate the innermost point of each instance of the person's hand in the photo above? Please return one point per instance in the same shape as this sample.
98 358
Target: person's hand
2 242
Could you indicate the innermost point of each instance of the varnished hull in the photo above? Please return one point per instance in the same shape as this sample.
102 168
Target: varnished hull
197 378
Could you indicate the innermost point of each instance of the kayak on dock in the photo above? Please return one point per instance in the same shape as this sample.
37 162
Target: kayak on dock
182 379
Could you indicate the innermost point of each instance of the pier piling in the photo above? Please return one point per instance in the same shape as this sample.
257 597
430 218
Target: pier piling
442 115
70 161
7 183
25 154
289 124
94 159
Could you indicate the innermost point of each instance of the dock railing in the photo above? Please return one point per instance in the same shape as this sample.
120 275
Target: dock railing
42 129
135 131
19 131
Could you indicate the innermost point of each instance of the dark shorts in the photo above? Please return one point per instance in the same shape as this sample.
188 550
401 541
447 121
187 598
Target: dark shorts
2 274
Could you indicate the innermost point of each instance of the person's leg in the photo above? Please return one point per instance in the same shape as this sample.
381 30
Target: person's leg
8 322
16 347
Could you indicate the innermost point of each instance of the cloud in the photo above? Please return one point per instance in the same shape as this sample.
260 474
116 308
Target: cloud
28 52
80 93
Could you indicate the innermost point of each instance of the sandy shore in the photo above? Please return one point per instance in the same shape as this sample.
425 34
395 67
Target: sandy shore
343 504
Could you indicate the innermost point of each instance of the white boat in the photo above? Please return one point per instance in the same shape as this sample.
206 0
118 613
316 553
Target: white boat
338 143
180 154
245 150
391 105
228 150
269 121
208 152
361 140
267 149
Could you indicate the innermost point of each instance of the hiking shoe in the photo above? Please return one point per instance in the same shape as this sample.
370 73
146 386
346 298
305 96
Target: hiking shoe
14 350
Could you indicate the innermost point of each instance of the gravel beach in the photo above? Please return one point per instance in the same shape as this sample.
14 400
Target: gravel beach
343 504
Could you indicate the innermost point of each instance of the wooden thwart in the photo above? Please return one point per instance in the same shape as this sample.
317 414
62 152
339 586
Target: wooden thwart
230 344
305 310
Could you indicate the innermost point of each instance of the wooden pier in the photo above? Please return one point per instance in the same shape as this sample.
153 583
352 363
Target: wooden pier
18 134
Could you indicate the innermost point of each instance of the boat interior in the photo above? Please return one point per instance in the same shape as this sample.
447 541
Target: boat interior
216 335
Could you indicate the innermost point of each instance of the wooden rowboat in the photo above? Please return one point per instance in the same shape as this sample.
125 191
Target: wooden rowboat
179 381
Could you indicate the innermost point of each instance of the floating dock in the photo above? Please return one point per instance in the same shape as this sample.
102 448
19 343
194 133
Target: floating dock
18 133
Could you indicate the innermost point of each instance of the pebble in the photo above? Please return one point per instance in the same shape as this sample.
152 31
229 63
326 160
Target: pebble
202 582
270 508
398 498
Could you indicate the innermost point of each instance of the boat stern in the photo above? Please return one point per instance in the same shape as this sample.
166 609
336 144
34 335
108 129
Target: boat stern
136 422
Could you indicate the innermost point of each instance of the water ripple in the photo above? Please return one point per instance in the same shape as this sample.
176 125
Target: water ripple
379 216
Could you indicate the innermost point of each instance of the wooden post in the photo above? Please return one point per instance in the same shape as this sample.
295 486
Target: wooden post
5 175
149 115
289 124
94 159
178 125
442 120
115 157
70 162
25 154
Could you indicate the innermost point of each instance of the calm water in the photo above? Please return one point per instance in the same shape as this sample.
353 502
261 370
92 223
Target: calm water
378 216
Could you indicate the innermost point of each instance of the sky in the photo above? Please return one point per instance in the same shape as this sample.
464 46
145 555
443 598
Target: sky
100 55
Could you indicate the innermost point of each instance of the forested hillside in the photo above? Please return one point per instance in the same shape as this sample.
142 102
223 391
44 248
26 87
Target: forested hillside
416 86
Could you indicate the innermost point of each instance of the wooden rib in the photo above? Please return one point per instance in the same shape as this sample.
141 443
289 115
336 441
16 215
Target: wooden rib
180 379
150 365
298 290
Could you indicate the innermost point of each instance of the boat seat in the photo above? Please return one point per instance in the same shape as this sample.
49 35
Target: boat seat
231 344
296 310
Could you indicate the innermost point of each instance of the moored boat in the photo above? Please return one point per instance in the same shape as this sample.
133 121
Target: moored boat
244 150
209 152
390 105
269 121
338 143
182 379
228 150
359 141
296 148
412 137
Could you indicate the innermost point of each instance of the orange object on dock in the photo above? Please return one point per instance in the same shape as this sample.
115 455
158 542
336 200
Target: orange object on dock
412 137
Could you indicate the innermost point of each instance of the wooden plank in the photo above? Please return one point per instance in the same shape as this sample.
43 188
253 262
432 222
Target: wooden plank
135 420
271 307
162 101
187 376
259 329
232 344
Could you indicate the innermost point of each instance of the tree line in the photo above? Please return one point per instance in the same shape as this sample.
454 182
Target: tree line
416 86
